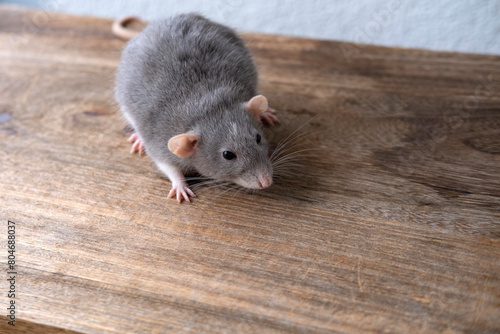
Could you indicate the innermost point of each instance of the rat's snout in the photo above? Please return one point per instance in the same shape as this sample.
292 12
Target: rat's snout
252 180
264 180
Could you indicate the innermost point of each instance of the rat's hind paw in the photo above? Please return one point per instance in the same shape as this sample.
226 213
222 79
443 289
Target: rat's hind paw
181 190
268 117
137 144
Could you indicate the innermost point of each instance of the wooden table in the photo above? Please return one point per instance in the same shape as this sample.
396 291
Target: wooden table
390 223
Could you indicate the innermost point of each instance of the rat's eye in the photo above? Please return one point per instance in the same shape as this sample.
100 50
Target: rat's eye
228 155
258 138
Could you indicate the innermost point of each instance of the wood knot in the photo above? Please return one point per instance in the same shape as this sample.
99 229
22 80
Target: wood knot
485 143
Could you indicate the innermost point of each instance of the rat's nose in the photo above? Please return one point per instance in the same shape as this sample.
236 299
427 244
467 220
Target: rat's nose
264 181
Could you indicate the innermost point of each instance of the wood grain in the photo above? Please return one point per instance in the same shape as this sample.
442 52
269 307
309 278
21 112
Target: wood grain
390 223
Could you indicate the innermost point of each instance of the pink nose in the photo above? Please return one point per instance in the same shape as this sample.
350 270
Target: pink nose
264 181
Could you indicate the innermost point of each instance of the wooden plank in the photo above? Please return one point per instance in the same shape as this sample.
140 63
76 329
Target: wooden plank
388 221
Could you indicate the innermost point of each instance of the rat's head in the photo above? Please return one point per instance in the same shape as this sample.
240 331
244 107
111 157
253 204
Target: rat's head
230 146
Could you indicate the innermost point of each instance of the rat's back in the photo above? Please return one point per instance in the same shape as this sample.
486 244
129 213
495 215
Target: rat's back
173 64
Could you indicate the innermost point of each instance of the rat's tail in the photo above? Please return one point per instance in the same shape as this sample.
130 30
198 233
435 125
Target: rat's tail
127 27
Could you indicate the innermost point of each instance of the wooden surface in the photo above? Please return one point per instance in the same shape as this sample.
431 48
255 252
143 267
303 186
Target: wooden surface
392 225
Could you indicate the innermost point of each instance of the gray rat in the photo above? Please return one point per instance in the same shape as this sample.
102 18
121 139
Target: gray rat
187 86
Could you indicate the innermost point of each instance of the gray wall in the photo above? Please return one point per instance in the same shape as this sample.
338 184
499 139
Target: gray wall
453 25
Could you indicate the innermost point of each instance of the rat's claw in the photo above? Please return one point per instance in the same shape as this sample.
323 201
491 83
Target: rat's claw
181 191
137 144
268 117
133 137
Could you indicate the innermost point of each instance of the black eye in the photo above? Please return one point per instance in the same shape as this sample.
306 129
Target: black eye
228 155
258 138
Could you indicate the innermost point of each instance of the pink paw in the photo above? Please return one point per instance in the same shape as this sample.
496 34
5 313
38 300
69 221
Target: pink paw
268 117
181 191
137 144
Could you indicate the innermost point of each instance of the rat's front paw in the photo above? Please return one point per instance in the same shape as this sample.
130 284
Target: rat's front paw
137 144
268 117
181 191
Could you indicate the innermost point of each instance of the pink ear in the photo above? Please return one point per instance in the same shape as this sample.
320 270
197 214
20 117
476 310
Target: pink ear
256 106
183 145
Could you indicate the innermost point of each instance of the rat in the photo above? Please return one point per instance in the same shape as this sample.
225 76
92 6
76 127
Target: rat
187 86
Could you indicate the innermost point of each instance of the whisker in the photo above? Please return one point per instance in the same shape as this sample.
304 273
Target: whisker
285 147
225 191
196 178
290 139
290 135
204 183
288 170
216 184
293 155
238 189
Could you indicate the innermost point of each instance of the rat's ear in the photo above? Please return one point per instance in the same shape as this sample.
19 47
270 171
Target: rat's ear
256 106
183 145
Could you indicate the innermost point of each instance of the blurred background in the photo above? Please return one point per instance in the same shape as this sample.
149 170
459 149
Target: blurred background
450 25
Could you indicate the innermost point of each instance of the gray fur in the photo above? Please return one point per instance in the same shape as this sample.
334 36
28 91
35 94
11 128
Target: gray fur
189 74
